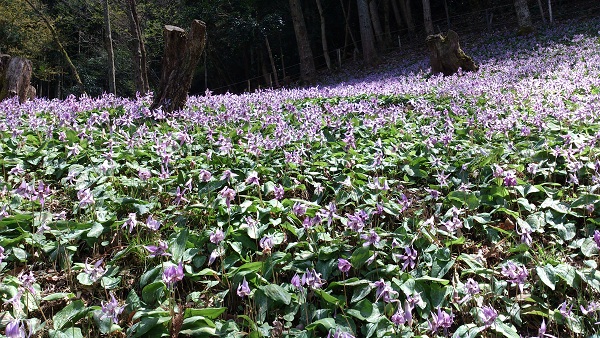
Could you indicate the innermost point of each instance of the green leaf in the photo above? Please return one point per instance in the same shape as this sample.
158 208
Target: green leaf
209 312
589 247
584 200
507 330
72 332
69 314
326 324
96 230
178 247
153 292
277 294
329 298
547 275
58 295
361 292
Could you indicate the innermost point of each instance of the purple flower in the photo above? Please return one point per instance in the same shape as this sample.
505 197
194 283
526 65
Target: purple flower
592 307
510 180
227 175
488 315
410 258
299 209
597 238
144 174
383 291
2 255
152 224
42 192
205 175
371 239
131 222
85 198
217 236
344 265
253 178
94 272
564 311
173 274
515 274
160 250
472 288
279 192
15 329
525 233
312 279
111 309
403 316
228 194
266 243
243 289
27 280
179 196
441 320
356 222
329 213
296 282
310 222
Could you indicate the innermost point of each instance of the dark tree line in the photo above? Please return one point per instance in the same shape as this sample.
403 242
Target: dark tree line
96 46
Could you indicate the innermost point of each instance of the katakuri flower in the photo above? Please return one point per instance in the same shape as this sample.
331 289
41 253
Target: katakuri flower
15 329
160 250
94 272
243 289
488 315
344 265
111 309
173 274
217 236
410 258
85 198
441 320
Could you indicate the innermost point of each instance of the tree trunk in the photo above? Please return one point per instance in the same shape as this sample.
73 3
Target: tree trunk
181 56
427 18
542 11
62 49
396 14
324 35
386 23
15 78
366 34
550 12
347 27
138 50
446 56
109 49
273 67
523 17
376 22
308 72
406 9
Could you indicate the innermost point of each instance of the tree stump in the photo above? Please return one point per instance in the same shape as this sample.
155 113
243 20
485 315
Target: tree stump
181 55
446 56
15 78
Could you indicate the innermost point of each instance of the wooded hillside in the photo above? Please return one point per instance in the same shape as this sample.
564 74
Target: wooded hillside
251 44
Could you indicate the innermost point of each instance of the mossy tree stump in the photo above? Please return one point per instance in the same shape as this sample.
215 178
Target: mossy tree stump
15 78
446 56
181 56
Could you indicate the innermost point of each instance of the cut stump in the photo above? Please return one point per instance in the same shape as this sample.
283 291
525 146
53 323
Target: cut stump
15 78
446 56
181 56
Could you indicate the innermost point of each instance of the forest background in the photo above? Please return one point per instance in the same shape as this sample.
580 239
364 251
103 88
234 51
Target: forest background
116 45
